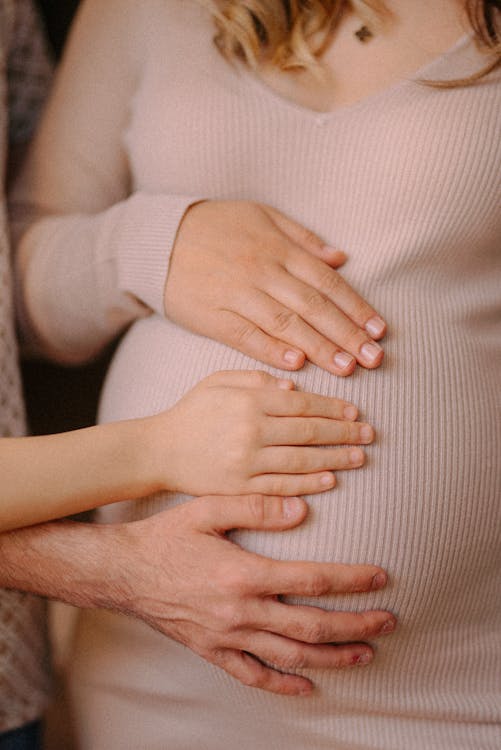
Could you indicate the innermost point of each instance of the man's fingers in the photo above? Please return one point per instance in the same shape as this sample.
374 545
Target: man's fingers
314 625
302 578
289 655
258 512
251 672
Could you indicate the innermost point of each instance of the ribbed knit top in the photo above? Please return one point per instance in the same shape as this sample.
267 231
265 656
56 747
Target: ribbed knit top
407 183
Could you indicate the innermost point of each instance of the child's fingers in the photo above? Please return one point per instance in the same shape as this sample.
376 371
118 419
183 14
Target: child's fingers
299 404
293 484
285 460
316 431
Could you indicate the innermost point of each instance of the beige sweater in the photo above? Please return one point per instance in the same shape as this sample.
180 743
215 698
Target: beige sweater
407 182
23 82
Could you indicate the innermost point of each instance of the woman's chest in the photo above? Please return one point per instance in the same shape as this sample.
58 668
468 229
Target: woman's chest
394 179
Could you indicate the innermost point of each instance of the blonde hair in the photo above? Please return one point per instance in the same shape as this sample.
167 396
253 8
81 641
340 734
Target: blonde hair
293 34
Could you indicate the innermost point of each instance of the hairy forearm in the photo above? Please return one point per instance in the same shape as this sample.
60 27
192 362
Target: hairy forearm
71 562
58 475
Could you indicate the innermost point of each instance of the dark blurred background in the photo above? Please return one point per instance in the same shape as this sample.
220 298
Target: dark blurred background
60 398
57 15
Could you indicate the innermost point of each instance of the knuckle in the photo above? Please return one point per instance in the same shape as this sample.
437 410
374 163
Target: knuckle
347 433
315 302
330 282
302 402
284 320
262 573
276 485
229 616
257 508
254 679
309 433
238 455
216 655
272 351
233 581
317 585
241 332
246 413
259 378
309 237
316 632
294 659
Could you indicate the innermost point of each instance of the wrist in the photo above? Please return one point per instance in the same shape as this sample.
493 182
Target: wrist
155 452
133 453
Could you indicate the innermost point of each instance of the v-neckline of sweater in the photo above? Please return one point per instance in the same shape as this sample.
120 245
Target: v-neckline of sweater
429 71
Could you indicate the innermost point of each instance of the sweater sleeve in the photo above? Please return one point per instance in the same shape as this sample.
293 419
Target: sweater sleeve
83 278
92 253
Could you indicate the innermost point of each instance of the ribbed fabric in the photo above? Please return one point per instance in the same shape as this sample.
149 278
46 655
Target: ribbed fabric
24 74
407 183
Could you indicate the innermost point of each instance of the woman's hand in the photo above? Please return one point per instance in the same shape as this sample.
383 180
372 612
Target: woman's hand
246 275
188 581
241 432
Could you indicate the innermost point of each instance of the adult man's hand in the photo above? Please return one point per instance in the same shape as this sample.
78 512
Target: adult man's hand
178 572
188 580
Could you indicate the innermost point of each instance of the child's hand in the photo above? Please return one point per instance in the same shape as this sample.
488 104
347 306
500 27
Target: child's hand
247 432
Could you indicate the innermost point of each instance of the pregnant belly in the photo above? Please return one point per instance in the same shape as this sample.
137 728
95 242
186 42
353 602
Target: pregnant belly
424 506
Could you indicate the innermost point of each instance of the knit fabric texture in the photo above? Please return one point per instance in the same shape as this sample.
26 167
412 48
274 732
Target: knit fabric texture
25 74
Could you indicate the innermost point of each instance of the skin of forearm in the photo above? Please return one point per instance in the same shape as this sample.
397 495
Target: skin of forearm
67 561
58 475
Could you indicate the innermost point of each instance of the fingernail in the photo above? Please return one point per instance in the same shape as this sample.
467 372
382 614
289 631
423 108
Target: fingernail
350 412
331 250
379 580
364 658
327 480
375 326
285 385
388 627
356 456
292 357
371 352
343 360
366 433
291 507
